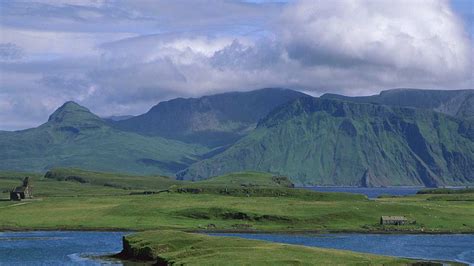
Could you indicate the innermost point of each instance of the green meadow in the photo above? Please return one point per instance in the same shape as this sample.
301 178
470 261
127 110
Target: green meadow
188 211
73 199
180 248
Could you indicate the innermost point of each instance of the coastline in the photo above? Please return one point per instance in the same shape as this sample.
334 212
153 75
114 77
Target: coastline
144 254
135 251
238 231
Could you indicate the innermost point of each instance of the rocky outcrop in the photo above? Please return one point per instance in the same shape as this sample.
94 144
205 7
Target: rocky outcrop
366 180
134 252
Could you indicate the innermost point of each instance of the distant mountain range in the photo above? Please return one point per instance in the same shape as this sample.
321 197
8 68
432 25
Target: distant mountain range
399 137
73 136
213 121
458 103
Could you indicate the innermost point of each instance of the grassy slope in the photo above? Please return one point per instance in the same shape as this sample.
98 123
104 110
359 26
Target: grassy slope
72 182
257 184
446 191
245 179
75 137
185 248
19 175
50 188
116 180
79 182
328 142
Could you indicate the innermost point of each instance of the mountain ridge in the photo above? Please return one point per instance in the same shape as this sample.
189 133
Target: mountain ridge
354 144
331 140
213 120
458 103
75 137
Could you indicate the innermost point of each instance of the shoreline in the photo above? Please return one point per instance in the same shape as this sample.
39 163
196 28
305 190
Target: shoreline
320 232
132 253
241 231
126 257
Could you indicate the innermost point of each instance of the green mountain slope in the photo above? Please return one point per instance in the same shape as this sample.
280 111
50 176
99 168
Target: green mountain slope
458 103
73 136
331 142
213 120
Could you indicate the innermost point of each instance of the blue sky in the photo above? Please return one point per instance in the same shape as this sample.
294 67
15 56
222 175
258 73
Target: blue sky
465 10
122 57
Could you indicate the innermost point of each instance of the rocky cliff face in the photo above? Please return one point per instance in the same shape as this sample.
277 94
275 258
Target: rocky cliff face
332 142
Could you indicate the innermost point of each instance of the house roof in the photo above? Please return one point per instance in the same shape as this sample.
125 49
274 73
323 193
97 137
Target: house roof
398 218
19 189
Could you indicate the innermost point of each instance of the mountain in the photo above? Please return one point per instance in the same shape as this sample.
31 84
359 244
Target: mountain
333 142
117 117
73 136
458 103
213 121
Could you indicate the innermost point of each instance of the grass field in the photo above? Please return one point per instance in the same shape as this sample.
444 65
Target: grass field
76 199
115 180
82 183
194 212
180 248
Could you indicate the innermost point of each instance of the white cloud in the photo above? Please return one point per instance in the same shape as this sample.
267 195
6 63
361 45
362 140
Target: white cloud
87 3
423 36
122 58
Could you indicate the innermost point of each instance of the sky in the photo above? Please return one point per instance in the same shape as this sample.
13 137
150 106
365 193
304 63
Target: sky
122 57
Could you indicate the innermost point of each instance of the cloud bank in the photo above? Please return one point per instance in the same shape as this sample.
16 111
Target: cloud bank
123 57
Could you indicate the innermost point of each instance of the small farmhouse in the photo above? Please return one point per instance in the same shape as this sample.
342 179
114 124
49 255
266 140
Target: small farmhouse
22 192
393 220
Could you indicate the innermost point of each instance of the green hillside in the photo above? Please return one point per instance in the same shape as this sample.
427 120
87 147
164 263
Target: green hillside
115 180
330 142
74 137
253 179
213 120
73 182
168 247
367 141
458 103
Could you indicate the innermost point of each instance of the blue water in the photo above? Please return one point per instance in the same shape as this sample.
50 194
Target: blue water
371 193
75 248
433 247
58 247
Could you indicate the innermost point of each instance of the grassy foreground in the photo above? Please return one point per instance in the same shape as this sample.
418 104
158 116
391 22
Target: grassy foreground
80 200
172 247
242 201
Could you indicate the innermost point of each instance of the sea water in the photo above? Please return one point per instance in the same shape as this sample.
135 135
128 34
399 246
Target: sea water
446 247
59 247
